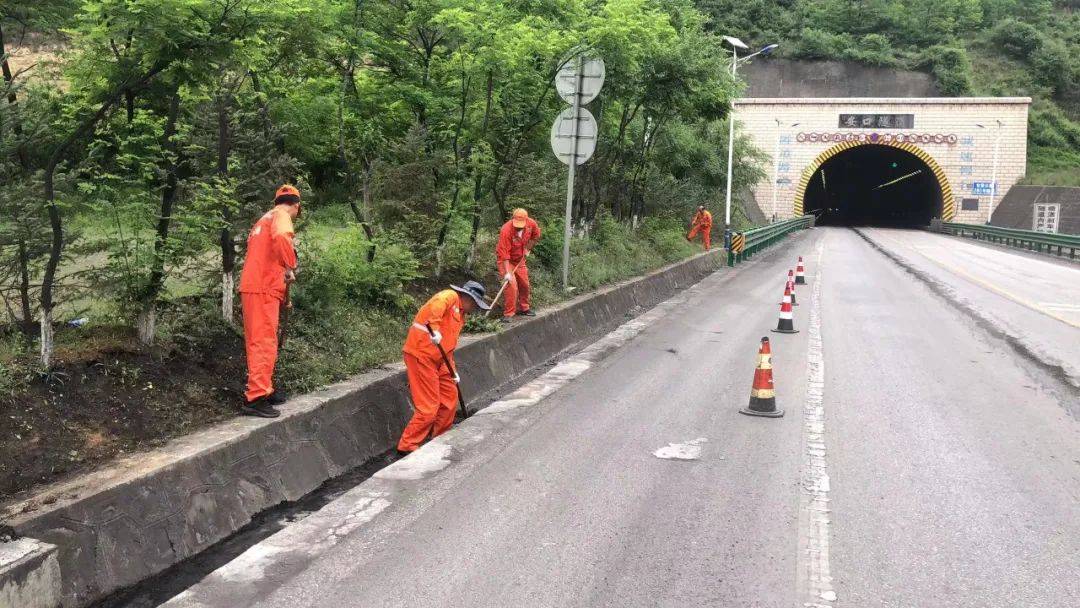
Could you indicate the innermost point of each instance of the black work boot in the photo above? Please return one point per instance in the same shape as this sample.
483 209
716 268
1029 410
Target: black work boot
506 320
260 407
276 398
527 313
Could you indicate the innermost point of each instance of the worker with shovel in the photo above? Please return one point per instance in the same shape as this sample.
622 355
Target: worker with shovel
702 223
429 362
269 267
516 239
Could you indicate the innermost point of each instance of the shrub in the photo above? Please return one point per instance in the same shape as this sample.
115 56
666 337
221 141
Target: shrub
335 271
819 44
951 68
873 49
1053 67
1016 38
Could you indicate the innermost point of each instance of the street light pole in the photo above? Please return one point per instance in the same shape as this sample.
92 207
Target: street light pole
730 152
994 169
736 44
993 174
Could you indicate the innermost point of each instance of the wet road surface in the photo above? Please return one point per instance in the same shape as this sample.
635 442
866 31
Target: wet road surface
927 458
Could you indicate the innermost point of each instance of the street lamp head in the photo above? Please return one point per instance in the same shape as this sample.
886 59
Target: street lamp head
768 49
980 126
735 42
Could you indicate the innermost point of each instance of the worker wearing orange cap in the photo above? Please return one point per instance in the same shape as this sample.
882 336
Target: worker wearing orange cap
270 265
516 240
702 223
431 383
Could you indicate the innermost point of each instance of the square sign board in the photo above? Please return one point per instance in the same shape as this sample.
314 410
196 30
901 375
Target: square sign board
877 121
982 188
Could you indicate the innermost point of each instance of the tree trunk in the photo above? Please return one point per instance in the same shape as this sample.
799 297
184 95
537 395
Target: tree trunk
478 179
264 115
225 239
12 97
23 263
367 194
147 322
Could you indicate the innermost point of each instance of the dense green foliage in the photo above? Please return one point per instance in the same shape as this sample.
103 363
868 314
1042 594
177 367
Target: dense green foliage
137 155
972 47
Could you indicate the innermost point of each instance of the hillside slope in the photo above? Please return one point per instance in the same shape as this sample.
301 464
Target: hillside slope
971 47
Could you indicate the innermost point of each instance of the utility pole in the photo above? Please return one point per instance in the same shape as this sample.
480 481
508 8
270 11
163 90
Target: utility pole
567 218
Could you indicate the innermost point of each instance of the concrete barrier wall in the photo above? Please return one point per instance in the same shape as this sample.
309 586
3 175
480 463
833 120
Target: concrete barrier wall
115 527
29 574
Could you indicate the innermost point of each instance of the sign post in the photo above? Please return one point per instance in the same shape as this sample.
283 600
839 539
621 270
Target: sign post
573 136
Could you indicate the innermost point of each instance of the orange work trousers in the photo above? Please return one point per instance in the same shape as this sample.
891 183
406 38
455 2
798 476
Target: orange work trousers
434 397
261 312
706 237
517 291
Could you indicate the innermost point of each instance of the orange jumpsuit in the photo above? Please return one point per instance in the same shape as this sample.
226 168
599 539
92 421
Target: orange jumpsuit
434 393
508 252
702 223
270 253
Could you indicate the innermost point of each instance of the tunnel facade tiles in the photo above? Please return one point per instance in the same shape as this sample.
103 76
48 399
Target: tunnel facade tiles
961 157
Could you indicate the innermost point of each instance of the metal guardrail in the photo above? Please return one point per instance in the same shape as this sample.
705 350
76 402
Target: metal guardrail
745 244
1022 239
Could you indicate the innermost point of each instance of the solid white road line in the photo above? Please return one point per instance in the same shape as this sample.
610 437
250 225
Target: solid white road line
814 579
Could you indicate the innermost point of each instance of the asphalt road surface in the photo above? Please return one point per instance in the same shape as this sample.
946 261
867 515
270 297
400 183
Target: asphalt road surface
929 456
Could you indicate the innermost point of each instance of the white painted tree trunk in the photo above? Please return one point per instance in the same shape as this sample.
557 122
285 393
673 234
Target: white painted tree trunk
227 296
46 338
147 323
438 260
470 259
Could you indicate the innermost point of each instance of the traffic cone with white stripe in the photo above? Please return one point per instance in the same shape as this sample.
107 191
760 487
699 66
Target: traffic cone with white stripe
787 294
791 284
762 394
800 277
786 325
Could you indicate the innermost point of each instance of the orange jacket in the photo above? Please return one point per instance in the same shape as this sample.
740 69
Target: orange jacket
270 253
703 219
443 313
512 245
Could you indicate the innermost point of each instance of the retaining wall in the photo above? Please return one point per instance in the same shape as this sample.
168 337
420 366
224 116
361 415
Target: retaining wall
117 526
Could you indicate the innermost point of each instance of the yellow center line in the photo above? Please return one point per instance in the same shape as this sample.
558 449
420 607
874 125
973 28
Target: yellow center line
1002 292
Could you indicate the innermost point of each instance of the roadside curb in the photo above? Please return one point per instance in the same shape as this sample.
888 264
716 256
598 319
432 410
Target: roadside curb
116 526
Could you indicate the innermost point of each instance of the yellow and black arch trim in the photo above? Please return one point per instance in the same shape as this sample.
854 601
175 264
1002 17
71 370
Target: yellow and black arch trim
948 201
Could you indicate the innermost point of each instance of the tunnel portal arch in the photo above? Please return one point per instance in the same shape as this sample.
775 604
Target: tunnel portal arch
948 202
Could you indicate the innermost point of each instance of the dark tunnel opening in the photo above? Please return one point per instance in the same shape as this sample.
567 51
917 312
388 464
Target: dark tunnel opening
874 185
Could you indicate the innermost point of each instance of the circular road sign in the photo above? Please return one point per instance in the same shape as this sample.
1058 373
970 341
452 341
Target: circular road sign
592 79
562 138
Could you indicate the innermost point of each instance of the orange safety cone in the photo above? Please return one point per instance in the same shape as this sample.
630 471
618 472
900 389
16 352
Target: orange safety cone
786 325
762 394
787 294
800 277
791 284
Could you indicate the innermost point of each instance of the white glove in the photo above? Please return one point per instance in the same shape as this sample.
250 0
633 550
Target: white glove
457 378
436 337
508 277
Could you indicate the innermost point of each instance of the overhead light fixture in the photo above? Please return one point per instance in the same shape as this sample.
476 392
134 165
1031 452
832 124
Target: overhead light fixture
735 42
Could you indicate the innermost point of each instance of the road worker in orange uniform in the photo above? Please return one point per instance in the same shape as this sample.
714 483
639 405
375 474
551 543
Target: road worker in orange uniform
702 223
516 239
269 266
434 388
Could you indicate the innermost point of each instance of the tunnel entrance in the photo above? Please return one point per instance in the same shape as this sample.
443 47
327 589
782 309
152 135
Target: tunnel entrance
874 185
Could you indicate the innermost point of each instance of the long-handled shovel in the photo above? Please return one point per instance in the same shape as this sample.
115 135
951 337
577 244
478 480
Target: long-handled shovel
504 284
446 360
